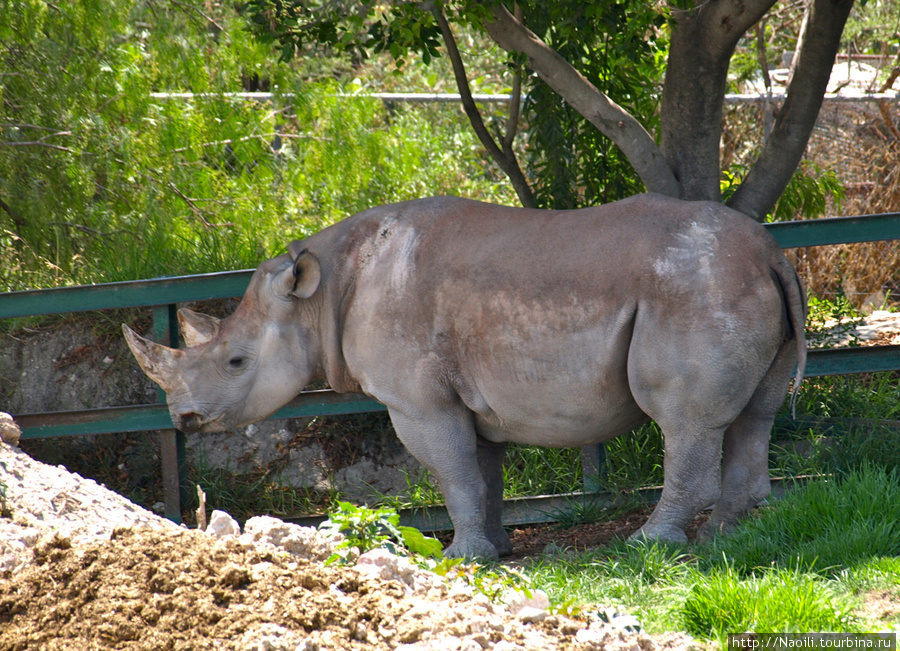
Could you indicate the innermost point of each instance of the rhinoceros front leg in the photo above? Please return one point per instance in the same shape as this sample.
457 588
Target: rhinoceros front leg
445 442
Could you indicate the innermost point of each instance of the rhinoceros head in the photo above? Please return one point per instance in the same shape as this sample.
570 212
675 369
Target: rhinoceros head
243 368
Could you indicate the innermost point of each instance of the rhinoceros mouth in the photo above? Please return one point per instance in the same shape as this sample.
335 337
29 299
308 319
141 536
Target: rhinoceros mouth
192 422
189 422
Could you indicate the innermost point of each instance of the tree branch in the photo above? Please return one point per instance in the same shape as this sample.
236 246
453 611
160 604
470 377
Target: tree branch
610 118
17 219
726 21
39 142
504 157
782 151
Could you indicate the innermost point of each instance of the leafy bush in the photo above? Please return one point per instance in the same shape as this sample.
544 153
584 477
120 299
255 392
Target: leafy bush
364 529
104 181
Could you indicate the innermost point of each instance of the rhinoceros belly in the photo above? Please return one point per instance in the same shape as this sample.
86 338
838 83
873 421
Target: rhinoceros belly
567 399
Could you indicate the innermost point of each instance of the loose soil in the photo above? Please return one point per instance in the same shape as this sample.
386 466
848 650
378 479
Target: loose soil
73 584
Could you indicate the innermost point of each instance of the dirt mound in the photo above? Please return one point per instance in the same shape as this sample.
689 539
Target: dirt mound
155 589
151 585
150 589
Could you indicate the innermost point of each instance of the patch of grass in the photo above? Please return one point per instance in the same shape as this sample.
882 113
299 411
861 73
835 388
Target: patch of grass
586 509
421 490
530 470
725 602
873 573
638 577
5 511
805 563
826 525
635 460
842 422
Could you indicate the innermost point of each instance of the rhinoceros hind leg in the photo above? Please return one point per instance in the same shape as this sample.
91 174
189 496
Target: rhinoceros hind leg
490 461
745 463
692 474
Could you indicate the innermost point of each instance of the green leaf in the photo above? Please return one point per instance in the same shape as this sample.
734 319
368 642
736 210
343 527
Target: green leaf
416 542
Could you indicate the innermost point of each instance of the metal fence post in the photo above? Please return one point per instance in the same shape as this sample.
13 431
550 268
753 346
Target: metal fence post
171 441
593 466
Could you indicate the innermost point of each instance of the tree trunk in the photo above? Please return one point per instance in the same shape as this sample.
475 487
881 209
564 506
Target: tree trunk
703 40
686 164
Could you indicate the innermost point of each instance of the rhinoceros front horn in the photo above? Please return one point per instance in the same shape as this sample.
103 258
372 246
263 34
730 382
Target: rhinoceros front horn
196 328
160 363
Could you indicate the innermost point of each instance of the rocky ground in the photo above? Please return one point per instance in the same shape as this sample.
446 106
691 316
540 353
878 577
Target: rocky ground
83 568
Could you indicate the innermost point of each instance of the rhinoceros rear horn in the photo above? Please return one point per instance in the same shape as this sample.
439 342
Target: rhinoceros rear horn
196 328
157 361
307 272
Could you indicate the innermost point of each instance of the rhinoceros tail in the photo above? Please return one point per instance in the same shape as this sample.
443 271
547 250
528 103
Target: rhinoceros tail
795 307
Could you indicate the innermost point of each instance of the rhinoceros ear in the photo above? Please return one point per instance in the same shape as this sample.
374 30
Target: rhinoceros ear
157 361
307 272
196 328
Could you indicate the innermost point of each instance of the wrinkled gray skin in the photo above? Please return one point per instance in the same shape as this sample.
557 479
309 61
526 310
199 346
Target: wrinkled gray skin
478 325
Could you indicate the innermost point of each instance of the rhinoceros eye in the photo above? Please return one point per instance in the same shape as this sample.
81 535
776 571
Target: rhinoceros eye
237 363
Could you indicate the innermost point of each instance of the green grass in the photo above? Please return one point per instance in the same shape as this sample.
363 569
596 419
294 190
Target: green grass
723 602
827 525
803 564
246 495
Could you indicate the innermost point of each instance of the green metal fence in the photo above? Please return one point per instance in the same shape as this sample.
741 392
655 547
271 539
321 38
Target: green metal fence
163 294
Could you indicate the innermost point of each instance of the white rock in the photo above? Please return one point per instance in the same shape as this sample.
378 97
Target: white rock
221 525
516 600
506 645
531 615
471 644
9 430
382 564
305 542
593 638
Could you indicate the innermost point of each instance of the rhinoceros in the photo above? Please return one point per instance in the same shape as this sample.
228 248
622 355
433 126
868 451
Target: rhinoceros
478 325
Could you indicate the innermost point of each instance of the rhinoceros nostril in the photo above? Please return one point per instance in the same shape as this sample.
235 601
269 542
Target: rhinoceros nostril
189 421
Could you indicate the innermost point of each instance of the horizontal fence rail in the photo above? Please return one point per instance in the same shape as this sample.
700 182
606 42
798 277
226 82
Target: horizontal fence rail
487 98
162 294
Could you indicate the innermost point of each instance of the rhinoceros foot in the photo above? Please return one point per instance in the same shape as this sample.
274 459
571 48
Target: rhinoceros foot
710 529
501 542
666 533
471 548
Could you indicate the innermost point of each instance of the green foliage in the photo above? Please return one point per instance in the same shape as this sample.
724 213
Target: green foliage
493 580
635 460
843 422
104 181
301 28
4 507
645 577
364 528
872 29
620 48
801 565
530 470
807 195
